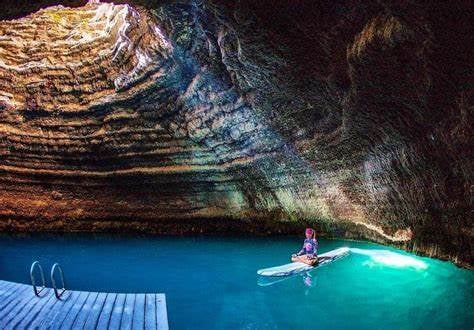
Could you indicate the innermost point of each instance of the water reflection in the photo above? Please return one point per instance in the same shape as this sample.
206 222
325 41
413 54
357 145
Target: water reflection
307 279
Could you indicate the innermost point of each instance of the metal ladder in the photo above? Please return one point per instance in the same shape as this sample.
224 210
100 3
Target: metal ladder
57 292
33 280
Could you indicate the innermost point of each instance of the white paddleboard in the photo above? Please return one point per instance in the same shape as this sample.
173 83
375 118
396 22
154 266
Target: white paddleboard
298 267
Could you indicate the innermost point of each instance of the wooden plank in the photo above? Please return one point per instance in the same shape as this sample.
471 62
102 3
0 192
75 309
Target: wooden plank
4 285
161 312
150 311
17 294
14 295
68 319
127 314
84 311
29 313
7 286
5 294
96 310
106 313
116 317
15 306
55 321
7 290
20 308
139 312
29 306
67 299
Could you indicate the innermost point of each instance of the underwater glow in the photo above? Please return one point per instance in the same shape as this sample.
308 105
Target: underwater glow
393 259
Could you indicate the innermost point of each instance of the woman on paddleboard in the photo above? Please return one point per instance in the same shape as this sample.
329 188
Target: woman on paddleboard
309 253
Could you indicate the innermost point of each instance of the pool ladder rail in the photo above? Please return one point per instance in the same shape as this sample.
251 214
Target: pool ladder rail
57 292
34 265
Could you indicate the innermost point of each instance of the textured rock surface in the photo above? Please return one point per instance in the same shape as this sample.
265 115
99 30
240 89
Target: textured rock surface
191 116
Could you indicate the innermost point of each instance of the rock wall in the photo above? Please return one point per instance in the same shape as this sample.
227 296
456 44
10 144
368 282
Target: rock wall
186 116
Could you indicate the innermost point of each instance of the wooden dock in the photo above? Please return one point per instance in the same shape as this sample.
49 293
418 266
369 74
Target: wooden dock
21 309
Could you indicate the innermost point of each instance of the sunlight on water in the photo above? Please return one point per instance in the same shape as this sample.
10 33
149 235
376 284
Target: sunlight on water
389 258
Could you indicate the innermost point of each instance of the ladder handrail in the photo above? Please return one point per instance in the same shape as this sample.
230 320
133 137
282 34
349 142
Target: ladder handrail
57 293
33 280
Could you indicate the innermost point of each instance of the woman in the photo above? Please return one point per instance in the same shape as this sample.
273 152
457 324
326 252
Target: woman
309 253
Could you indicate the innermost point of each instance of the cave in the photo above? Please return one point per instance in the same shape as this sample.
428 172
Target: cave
241 118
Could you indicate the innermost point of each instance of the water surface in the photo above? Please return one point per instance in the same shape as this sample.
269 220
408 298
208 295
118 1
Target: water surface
211 282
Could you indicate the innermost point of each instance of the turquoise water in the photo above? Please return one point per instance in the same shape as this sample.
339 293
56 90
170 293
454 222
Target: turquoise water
211 283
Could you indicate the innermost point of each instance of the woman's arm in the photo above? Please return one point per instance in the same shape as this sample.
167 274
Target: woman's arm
302 251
